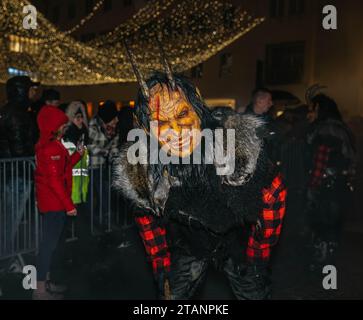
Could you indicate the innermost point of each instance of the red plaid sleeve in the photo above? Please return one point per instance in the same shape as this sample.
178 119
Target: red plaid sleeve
154 239
321 158
271 218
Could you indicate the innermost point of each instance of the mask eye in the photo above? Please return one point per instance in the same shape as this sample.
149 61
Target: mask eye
183 114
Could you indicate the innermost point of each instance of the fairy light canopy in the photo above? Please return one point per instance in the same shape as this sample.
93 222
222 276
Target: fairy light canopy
190 32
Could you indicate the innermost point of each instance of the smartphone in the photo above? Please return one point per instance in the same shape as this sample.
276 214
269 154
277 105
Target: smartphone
81 142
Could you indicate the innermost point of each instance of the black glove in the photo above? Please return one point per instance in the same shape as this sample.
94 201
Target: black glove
163 286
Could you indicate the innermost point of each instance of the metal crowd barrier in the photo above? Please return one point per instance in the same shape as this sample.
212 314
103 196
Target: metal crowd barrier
19 219
108 211
21 224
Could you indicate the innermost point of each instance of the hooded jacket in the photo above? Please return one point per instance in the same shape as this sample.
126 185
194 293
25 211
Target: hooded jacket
72 110
74 134
53 174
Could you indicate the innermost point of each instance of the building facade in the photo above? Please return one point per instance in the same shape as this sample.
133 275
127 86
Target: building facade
289 51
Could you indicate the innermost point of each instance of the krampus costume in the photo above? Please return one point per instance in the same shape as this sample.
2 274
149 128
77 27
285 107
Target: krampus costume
188 216
332 172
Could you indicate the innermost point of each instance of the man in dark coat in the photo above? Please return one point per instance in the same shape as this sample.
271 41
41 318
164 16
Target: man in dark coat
17 140
17 129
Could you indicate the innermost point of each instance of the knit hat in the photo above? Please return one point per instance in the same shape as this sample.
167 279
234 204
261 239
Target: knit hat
107 111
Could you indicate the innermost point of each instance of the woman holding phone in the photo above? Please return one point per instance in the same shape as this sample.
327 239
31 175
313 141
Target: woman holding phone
53 180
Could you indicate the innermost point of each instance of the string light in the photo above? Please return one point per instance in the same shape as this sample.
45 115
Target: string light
86 19
191 32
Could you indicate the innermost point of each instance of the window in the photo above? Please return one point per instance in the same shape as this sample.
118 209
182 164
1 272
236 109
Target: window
72 10
89 6
225 67
127 3
259 74
56 14
22 44
296 7
277 8
107 5
285 63
197 71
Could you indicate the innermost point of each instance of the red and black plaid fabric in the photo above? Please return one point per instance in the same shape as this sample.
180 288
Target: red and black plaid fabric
321 159
155 244
261 241
274 198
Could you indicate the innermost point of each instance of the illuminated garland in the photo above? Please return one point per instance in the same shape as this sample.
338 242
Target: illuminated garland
191 32
87 18
151 11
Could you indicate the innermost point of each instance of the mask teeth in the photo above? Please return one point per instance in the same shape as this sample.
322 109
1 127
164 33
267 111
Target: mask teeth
140 79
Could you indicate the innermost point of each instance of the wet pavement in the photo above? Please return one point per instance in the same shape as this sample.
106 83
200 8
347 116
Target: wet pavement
98 269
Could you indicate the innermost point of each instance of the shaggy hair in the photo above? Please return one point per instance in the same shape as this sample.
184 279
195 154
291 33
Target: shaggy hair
253 170
147 186
142 111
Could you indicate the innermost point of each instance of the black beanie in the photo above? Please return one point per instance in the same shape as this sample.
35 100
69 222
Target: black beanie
107 111
17 89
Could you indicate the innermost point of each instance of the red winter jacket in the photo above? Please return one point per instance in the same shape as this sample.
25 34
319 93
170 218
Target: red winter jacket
53 174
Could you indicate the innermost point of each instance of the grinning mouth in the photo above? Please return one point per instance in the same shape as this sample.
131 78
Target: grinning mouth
179 144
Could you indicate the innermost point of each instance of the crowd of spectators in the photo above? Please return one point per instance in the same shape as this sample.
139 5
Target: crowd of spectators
66 146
